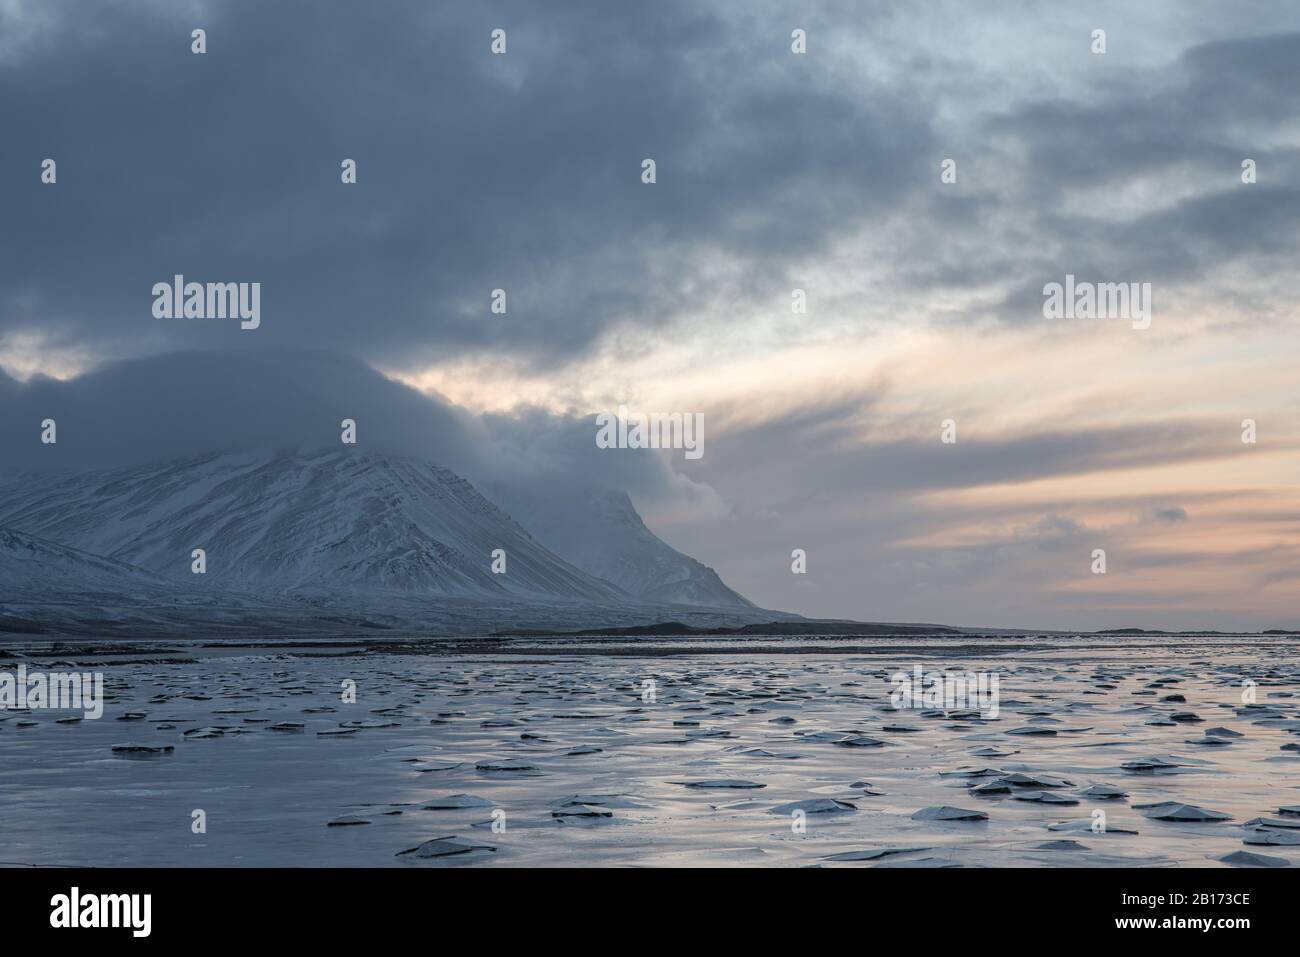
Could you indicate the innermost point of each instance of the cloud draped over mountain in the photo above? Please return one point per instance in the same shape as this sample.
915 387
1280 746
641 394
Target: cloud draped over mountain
144 470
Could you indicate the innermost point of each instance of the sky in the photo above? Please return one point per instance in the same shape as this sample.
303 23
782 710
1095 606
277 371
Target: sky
775 171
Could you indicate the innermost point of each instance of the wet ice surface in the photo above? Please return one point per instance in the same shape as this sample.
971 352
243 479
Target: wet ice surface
734 749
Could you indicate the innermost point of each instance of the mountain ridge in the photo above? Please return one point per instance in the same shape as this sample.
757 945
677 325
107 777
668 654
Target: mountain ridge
600 531
395 540
299 522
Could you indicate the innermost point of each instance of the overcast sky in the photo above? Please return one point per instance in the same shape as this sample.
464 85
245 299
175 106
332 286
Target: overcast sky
775 171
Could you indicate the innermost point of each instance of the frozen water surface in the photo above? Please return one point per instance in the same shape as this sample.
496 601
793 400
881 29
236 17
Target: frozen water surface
558 742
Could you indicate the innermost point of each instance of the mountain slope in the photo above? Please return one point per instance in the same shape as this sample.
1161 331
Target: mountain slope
600 531
303 524
33 569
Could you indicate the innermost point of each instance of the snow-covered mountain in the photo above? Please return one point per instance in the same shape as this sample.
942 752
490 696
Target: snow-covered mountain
600 531
332 542
324 524
35 570
354 539
47 587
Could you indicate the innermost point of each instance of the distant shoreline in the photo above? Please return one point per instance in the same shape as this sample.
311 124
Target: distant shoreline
613 643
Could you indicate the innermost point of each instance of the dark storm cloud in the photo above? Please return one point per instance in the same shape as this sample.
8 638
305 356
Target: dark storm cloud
522 172
182 404
1187 130
475 172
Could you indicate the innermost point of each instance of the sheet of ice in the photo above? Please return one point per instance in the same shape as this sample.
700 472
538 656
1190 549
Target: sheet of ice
552 753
